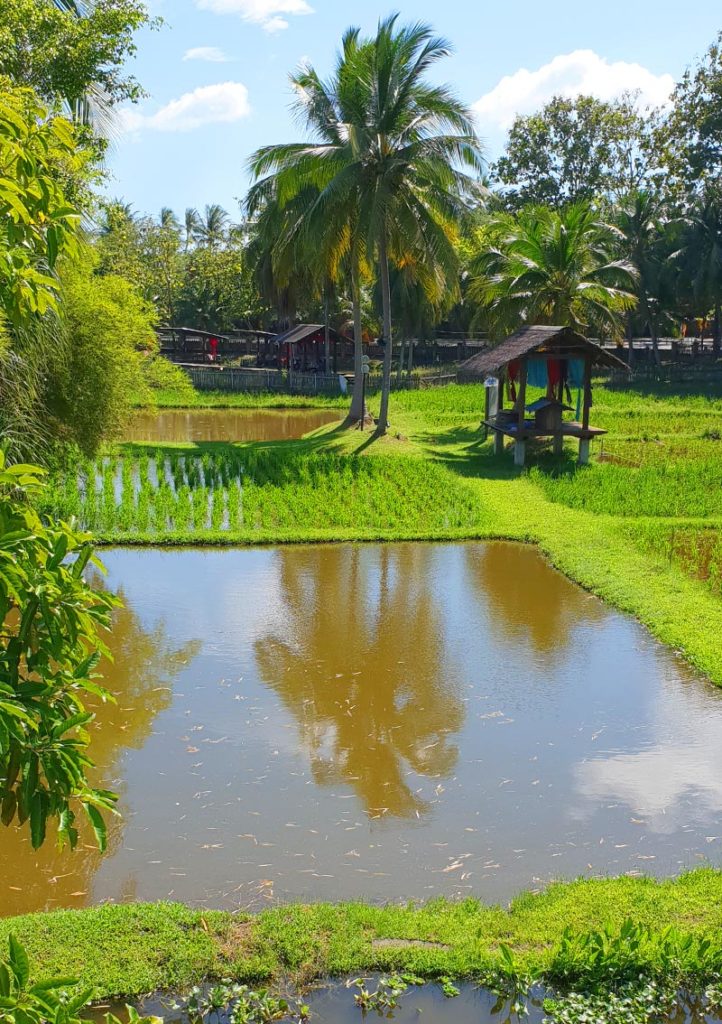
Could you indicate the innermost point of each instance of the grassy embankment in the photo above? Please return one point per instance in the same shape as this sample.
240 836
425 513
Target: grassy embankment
133 949
642 531
188 398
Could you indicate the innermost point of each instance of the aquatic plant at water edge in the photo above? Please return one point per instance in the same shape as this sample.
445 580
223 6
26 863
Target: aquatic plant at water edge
60 1000
241 1004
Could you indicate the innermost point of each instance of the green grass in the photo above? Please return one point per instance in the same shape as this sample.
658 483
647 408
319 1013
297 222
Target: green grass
168 398
127 950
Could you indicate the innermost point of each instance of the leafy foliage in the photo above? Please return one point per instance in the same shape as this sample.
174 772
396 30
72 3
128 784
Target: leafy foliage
56 1001
574 149
72 51
107 328
50 620
37 221
691 136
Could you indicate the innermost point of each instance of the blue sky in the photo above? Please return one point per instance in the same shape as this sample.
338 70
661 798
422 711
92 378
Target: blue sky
217 74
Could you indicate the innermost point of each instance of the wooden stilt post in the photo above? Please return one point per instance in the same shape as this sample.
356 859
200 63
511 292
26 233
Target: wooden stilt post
498 436
520 445
584 441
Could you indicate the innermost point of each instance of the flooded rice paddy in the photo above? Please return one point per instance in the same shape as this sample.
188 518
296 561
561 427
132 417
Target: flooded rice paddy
169 425
381 722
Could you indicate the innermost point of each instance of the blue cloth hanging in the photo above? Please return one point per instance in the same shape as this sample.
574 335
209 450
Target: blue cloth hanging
575 373
536 373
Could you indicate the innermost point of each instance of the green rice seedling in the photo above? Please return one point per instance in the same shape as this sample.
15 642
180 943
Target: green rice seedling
125 511
183 511
108 495
235 516
199 515
218 508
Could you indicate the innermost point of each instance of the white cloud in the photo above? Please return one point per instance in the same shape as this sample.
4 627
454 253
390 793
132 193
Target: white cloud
211 53
266 13
583 72
209 104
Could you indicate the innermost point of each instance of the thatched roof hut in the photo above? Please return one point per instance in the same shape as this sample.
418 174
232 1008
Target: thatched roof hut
554 358
550 342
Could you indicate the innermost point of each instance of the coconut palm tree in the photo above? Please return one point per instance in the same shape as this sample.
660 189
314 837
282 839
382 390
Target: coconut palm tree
297 176
168 219
552 267
285 273
703 250
640 218
385 155
213 226
191 226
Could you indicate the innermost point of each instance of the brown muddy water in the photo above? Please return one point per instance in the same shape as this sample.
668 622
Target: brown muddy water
381 722
168 425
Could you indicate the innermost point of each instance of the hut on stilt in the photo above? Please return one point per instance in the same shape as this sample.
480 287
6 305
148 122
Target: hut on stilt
560 361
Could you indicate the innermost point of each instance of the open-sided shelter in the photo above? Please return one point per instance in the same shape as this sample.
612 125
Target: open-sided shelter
302 348
560 361
189 345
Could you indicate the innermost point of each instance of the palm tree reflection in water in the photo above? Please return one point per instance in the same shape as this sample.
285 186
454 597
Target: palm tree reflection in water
359 660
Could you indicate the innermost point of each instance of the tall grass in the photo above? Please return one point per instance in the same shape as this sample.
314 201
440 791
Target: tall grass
696 550
686 488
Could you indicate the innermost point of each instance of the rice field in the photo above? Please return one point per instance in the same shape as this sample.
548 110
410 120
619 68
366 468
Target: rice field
667 485
166 493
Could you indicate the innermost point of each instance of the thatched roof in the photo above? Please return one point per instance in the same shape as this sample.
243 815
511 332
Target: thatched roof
557 342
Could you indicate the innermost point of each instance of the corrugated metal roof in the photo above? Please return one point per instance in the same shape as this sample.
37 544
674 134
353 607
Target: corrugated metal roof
555 340
300 333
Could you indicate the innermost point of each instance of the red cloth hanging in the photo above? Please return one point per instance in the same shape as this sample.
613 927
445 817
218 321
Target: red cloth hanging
513 370
554 371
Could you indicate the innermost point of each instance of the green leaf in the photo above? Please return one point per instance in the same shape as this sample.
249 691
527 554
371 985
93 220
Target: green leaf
19 963
98 825
7 810
38 819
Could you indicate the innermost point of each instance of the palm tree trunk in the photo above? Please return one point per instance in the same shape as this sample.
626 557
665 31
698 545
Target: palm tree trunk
326 334
411 358
652 331
630 337
383 423
716 329
357 410
400 367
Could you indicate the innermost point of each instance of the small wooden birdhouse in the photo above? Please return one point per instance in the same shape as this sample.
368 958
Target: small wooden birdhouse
548 414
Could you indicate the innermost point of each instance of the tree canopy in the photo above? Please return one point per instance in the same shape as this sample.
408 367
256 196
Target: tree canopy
574 149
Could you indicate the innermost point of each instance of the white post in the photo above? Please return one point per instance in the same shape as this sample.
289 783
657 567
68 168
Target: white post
584 451
519 452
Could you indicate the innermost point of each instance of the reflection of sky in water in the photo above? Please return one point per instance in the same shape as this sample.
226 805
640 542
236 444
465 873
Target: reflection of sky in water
676 779
386 722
